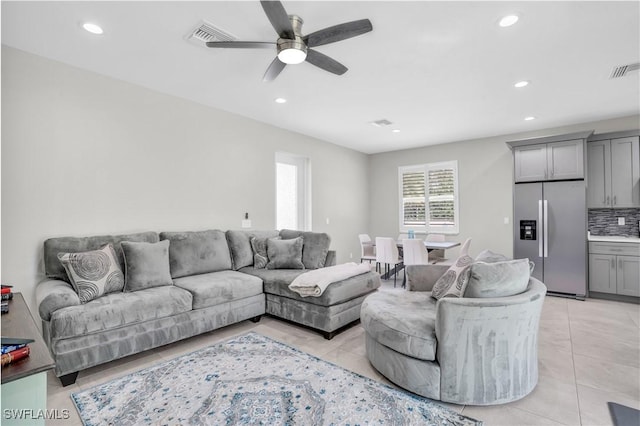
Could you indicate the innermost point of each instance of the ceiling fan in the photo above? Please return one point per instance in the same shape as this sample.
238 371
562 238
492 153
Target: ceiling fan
292 46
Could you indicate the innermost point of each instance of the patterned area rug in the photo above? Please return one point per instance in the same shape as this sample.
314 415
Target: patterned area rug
253 380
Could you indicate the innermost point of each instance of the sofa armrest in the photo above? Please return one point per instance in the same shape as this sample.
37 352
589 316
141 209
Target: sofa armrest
331 258
52 295
423 277
487 347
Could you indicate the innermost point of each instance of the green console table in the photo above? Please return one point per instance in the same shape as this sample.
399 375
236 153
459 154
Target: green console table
24 383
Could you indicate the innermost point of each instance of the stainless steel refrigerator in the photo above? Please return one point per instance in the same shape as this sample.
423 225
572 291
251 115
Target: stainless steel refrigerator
550 228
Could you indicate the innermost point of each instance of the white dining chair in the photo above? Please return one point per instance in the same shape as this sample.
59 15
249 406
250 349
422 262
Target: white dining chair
367 249
413 253
464 248
387 254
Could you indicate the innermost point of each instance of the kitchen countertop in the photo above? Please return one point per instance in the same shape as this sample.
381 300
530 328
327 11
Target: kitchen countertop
614 239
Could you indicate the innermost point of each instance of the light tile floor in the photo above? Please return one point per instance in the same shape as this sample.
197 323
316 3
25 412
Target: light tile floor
589 353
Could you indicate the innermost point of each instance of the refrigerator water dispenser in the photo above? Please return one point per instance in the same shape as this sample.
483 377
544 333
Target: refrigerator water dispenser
528 230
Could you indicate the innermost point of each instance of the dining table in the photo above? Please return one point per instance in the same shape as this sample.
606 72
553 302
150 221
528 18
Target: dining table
429 245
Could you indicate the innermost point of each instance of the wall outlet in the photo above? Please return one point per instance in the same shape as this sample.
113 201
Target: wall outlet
327 221
246 223
621 221
350 255
506 220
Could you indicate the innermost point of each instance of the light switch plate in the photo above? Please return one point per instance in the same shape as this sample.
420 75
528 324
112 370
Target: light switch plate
621 221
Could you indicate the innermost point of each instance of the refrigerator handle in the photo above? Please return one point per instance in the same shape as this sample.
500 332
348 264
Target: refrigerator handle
540 225
546 229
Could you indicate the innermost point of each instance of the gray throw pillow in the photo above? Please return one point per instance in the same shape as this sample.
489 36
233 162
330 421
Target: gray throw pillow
490 257
146 265
453 282
200 252
260 256
93 273
284 254
498 279
314 249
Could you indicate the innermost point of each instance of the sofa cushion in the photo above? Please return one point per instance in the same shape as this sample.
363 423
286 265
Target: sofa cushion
54 269
453 282
118 310
404 321
219 287
240 246
284 254
93 273
315 246
498 279
276 282
199 252
146 265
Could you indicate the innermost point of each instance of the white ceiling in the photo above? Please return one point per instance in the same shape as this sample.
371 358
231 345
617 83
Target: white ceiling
440 71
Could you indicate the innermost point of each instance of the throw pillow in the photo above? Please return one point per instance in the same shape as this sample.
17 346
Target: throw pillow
93 273
498 279
284 254
260 256
146 265
453 282
315 246
490 257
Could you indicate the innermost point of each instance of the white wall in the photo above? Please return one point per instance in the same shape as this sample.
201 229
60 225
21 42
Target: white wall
83 154
485 180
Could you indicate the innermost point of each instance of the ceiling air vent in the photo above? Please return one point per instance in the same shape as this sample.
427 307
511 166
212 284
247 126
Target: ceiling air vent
206 31
381 123
623 70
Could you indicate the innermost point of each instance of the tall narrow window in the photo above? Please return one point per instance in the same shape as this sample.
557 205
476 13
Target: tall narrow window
293 210
429 197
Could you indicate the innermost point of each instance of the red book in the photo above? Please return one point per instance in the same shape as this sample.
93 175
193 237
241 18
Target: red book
14 356
5 290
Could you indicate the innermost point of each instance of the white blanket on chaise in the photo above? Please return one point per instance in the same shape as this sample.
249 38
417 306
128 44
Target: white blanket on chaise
315 282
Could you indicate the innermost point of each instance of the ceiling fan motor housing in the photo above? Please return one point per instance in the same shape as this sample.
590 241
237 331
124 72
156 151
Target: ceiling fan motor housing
296 43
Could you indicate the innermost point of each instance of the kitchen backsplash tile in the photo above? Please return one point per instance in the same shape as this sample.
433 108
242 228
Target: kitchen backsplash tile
605 222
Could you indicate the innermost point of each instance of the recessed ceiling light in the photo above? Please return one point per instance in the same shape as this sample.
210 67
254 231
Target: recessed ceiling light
508 20
396 130
522 83
280 100
92 28
529 118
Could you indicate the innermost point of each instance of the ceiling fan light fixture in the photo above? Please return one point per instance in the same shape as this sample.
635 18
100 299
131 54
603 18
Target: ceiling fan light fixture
292 56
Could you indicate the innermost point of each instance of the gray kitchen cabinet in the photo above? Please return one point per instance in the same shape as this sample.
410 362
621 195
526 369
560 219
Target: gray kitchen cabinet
628 275
602 273
613 173
614 268
549 161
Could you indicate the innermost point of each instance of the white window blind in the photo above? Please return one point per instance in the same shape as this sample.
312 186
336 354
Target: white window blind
429 197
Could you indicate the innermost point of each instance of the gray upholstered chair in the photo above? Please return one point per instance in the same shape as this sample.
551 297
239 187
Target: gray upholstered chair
476 351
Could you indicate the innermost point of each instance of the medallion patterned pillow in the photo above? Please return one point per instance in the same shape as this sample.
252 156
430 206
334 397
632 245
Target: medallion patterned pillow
93 273
454 282
259 247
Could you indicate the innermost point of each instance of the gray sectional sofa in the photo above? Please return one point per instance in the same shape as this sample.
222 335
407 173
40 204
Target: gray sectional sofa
202 281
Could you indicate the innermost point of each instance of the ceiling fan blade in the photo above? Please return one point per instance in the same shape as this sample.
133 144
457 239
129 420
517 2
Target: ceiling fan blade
242 44
278 17
274 70
338 32
321 60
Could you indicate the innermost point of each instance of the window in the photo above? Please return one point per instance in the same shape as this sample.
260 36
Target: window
293 209
429 197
